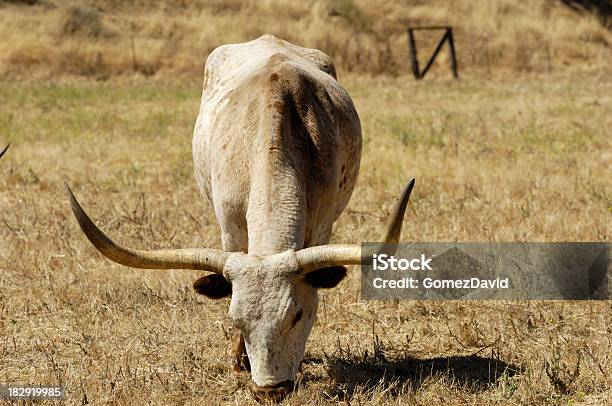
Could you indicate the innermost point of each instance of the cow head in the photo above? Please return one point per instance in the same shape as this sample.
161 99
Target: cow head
274 299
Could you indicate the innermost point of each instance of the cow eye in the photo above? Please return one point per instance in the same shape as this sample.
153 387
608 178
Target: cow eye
297 318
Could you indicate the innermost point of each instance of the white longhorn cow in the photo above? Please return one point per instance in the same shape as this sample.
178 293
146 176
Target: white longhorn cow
276 149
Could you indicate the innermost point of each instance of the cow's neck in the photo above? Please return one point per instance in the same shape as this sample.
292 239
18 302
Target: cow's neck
276 209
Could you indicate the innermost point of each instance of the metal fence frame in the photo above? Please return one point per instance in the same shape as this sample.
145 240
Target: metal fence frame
448 36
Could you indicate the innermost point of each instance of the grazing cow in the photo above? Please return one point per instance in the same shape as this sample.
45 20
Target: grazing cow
4 150
276 148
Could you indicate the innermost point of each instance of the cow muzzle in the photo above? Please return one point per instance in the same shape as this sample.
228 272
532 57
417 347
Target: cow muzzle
274 393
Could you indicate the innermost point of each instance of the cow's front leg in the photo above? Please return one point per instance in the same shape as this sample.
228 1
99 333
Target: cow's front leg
240 360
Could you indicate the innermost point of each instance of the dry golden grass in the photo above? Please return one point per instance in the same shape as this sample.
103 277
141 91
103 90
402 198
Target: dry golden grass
515 157
170 39
520 160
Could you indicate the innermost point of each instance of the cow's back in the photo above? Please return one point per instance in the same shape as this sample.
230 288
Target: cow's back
276 146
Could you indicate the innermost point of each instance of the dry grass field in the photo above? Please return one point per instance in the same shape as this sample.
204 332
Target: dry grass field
515 156
523 160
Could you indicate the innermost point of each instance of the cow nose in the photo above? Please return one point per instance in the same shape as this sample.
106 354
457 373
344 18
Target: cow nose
275 393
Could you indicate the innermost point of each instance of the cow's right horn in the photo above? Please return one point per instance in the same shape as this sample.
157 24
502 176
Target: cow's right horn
211 260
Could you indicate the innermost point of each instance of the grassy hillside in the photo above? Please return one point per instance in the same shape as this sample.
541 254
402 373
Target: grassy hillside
170 39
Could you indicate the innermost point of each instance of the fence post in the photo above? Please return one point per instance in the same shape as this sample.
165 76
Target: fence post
413 54
451 44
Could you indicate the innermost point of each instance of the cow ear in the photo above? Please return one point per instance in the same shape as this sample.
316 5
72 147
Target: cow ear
213 286
326 278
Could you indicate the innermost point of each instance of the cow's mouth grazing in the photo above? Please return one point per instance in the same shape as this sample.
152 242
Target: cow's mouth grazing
274 393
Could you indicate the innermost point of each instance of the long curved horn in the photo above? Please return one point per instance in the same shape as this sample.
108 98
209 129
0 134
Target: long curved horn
323 256
211 260
4 150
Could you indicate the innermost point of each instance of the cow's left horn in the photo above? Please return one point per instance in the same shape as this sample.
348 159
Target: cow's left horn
211 260
314 258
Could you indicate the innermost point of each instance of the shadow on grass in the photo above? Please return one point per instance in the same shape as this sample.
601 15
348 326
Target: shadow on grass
397 375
